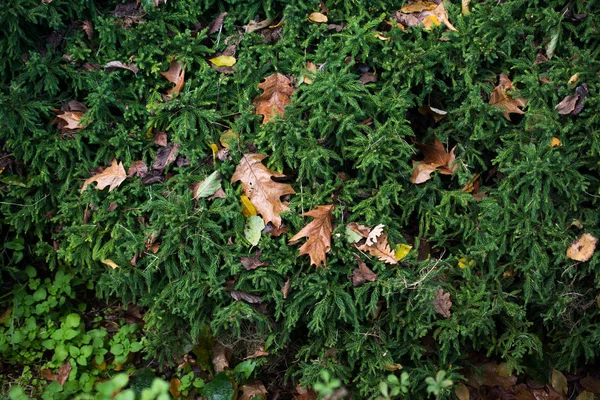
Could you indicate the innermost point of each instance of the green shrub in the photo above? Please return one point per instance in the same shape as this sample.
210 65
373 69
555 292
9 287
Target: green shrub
342 143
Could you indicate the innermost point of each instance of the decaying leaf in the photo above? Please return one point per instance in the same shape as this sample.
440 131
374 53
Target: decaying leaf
252 230
253 262
462 392
174 385
47 375
115 65
305 394
160 138
583 248
286 288
585 395
418 6
318 233
590 384
260 352
68 120
220 359
380 249
427 13
165 156
175 74
436 158
317 17
207 187
277 89
216 24
257 25
491 374
253 390
88 28
374 234
138 168
573 104
248 298
112 177
432 112
502 100
63 373
442 303
559 382
264 193
362 274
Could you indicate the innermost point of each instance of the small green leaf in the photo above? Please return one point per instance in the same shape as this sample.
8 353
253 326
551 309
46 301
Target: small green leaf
219 388
351 236
117 349
72 320
40 294
254 226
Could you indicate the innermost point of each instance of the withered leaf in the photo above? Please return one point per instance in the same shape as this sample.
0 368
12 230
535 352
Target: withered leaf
88 28
418 6
277 89
500 99
490 377
367 77
115 65
263 192
573 104
217 23
257 25
462 392
248 298
63 373
174 385
68 120
160 138
374 234
559 382
112 177
583 248
362 274
138 168
175 74
585 395
442 303
380 249
590 384
305 394
435 113
260 352
165 156
253 390
253 262
436 158
317 17
286 288
318 233
47 374
220 360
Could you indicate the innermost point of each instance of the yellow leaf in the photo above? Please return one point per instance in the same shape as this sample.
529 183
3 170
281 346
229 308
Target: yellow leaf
556 142
430 22
248 208
223 61
465 7
149 133
1 170
174 387
101 366
277 25
215 150
402 251
317 17
573 79
111 264
462 263
228 138
418 6
381 37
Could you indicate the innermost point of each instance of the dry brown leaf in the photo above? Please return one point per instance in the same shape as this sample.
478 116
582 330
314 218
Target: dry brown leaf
465 10
583 248
68 120
489 376
442 303
286 288
47 375
174 385
432 112
462 392
88 28
175 74
260 352
277 89
305 394
252 390
217 23
381 249
559 382
367 77
165 156
436 158
573 79
263 192
442 15
500 99
115 65
160 138
585 395
138 168
220 360
112 176
405 19
418 6
362 274
257 25
63 373
318 232
590 384
253 262
360 229
573 104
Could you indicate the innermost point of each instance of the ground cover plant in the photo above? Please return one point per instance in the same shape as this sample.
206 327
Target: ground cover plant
382 199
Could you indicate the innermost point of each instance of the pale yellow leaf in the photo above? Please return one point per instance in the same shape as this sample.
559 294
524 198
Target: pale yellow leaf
223 61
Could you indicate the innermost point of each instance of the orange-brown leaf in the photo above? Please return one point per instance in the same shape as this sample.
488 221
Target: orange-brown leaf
436 158
500 99
318 233
175 74
253 390
362 274
583 248
112 176
263 192
380 249
442 303
418 6
277 89
69 120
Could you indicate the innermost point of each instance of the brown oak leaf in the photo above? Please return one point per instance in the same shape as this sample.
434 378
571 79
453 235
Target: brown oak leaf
175 74
277 89
138 168
263 192
112 176
362 274
436 158
442 303
500 99
318 233
573 104
380 249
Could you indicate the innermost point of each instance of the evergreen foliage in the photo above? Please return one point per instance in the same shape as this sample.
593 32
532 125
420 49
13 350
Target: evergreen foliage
522 300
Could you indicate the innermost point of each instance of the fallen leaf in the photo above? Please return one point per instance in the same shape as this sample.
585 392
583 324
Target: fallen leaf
220 360
174 385
277 89
362 274
435 113
63 373
360 230
555 142
500 99
430 22
406 19
165 156
264 193
367 77
248 298
6 315
223 61
590 384
573 79
88 28
217 23
47 375
138 168
583 248
442 303
286 288
115 65
351 235
442 15
465 11
310 66
229 139
436 158
256 25
112 177
462 392
111 263
381 37
305 394
489 377
559 382
253 229
253 262
253 390
585 395
175 74
260 352
381 249
418 6
374 234
248 208
401 251
160 138
207 187
318 233
68 121
317 17
573 104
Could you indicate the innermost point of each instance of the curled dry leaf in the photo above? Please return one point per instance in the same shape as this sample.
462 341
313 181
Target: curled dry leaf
88 28
573 104
442 303
248 298
138 168
436 158
63 373
165 156
435 113
277 89
112 177
263 192
317 18
362 274
318 233
583 248
115 65
111 263
175 74
257 25
500 99
253 390
253 262
217 23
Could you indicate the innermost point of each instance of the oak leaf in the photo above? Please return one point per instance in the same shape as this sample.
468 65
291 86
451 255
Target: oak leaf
318 233
380 249
277 89
112 177
263 192
500 99
442 303
175 74
362 274
374 234
436 158
583 248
